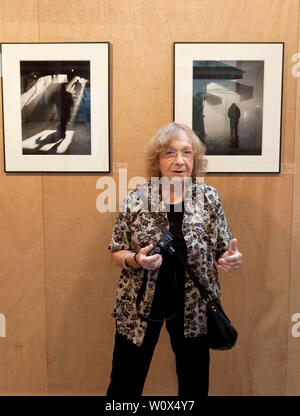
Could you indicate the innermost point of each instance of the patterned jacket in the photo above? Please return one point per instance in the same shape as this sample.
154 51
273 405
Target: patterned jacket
206 234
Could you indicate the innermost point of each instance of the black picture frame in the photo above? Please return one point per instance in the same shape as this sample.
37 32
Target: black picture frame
56 110
230 94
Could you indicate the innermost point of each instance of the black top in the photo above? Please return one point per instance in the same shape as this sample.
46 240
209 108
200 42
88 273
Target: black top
169 292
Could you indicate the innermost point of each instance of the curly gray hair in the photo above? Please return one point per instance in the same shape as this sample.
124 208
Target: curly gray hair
159 142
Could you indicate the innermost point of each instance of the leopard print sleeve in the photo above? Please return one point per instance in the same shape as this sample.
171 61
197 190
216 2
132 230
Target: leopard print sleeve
120 239
224 234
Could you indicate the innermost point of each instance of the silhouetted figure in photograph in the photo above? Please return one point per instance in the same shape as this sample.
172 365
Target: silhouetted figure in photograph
234 116
64 102
77 87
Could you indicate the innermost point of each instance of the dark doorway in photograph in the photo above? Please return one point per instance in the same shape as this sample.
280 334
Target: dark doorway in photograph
55 107
228 106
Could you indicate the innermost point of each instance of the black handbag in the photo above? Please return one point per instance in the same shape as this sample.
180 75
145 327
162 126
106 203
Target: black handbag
221 334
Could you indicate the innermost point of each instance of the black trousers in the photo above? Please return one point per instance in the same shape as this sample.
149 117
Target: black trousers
131 363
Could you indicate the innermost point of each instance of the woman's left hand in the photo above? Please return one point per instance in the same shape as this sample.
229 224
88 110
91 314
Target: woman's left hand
231 260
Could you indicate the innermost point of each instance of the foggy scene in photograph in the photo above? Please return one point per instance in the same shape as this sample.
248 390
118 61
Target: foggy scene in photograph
55 106
228 106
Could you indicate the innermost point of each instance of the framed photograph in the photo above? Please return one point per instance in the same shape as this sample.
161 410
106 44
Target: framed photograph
230 94
56 107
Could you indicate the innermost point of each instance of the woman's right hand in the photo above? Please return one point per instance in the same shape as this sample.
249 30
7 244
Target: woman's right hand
148 262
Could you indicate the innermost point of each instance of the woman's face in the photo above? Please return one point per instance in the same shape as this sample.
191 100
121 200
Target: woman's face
177 159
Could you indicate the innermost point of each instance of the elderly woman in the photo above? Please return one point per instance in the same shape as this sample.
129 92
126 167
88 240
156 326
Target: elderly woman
154 287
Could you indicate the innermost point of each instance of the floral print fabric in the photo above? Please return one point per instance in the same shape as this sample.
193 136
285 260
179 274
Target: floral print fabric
206 234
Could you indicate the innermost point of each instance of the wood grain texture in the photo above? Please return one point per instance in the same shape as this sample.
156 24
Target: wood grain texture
19 21
80 286
293 365
23 355
78 294
142 37
256 298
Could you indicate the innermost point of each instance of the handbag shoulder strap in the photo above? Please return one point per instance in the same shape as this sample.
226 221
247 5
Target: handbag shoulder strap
203 291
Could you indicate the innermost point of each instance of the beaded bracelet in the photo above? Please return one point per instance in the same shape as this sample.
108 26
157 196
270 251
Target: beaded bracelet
134 257
124 265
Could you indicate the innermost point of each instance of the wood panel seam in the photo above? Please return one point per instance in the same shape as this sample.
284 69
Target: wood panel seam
38 19
43 231
292 216
45 286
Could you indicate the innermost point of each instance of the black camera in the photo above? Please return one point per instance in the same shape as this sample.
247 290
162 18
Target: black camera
164 244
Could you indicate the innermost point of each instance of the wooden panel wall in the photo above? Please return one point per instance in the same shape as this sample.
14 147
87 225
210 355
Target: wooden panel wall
23 362
57 285
293 367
